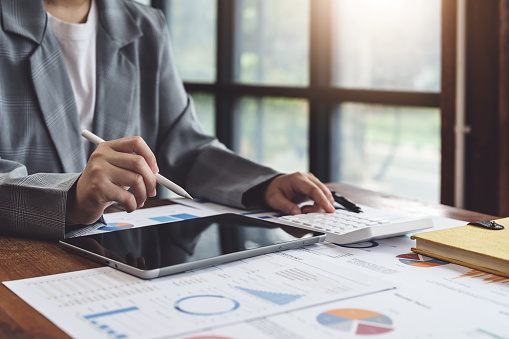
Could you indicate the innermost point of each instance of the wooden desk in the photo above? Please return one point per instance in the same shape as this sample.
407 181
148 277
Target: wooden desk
27 258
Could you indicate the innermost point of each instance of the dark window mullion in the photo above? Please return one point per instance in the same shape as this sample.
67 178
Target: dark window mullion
320 111
225 103
333 95
448 101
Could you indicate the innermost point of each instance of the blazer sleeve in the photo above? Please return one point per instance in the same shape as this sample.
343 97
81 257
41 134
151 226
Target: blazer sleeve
33 205
203 165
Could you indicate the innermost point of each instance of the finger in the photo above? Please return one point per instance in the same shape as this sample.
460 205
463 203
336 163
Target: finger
307 209
313 191
112 153
113 192
136 145
96 191
137 164
122 177
105 183
322 186
279 201
315 208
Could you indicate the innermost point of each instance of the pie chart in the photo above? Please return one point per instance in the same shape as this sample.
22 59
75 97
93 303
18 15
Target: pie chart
356 321
419 260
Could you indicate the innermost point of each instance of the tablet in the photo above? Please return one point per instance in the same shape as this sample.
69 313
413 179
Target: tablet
158 250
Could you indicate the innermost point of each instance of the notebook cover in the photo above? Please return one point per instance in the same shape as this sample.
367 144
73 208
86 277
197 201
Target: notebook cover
456 242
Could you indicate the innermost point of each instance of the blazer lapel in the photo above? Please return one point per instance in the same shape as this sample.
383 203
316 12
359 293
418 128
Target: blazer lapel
50 79
117 100
24 17
57 102
117 78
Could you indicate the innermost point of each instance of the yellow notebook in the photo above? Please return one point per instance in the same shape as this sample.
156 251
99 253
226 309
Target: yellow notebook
476 247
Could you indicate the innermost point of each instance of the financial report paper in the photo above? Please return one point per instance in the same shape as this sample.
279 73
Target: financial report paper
107 303
377 288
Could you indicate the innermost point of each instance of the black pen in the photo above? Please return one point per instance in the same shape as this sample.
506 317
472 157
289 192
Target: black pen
350 206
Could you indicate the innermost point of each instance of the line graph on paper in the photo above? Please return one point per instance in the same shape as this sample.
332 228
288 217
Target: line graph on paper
488 278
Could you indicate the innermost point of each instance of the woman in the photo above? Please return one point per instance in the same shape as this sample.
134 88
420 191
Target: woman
107 65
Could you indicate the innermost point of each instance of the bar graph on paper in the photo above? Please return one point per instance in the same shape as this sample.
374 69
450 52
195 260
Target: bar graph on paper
106 303
116 323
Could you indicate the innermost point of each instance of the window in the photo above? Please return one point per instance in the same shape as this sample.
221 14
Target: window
205 109
347 89
273 132
388 149
272 42
192 27
387 44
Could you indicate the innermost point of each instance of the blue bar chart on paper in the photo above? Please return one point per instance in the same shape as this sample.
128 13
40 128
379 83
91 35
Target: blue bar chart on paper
107 303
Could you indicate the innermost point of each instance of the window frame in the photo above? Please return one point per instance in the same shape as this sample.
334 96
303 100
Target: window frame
322 95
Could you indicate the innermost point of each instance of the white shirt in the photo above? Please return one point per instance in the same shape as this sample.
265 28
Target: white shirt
78 44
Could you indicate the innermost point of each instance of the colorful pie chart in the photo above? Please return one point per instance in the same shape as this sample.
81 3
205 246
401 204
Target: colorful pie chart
419 260
356 321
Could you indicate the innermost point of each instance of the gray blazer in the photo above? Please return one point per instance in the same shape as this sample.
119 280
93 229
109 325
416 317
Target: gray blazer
139 92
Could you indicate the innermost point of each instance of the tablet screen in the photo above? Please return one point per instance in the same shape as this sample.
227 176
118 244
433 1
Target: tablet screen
186 241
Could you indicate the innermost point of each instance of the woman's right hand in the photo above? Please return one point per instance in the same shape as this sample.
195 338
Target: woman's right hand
113 168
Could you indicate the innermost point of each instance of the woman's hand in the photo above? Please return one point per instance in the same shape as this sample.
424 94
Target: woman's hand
113 168
284 192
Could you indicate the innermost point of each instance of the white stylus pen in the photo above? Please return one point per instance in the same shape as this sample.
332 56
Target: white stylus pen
160 179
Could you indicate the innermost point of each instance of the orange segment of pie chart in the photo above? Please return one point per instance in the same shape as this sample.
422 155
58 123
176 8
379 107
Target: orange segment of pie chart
351 313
